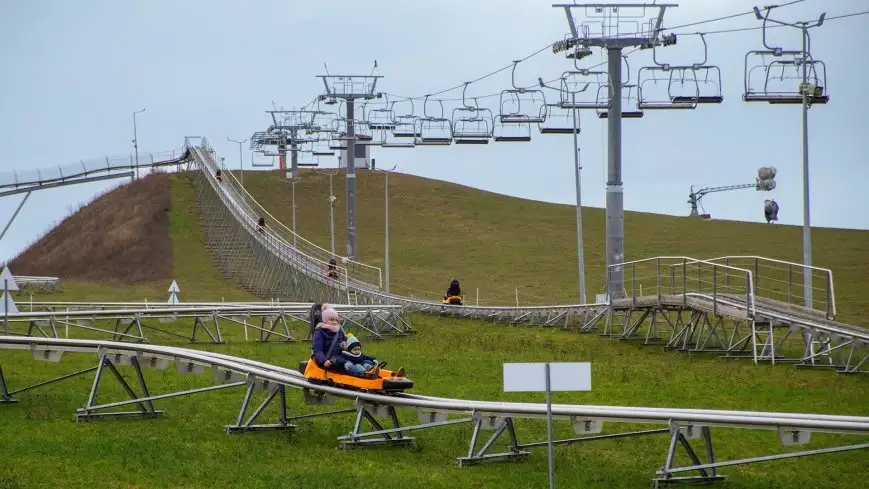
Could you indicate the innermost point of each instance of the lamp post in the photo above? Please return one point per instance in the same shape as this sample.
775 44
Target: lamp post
331 199
386 229
240 161
136 142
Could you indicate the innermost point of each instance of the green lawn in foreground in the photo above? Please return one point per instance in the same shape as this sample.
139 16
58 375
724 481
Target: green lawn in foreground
187 448
491 242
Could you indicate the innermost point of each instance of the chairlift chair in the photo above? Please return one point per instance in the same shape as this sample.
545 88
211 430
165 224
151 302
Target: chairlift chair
709 85
628 101
581 90
321 148
656 86
777 79
521 105
470 123
405 127
512 132
558 121
267 162
313 161
382 118
389 139
433 131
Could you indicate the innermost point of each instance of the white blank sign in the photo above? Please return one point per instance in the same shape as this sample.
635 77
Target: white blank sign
531 377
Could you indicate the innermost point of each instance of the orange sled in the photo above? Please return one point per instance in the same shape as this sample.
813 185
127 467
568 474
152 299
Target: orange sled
387 381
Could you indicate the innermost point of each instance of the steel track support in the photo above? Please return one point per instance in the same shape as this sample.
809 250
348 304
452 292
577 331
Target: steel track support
5 395
664 476
500 426
274 391
198 323
708 470
380 436
146 408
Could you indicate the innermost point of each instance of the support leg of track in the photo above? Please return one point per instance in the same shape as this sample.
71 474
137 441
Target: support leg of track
146 409
500 425
381 436
277 391
707 472
5 396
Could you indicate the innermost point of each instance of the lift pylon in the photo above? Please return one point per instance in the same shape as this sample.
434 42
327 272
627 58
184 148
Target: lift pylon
434 131
521 105
472 124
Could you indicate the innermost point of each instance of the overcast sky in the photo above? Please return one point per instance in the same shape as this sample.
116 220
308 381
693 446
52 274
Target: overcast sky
73 73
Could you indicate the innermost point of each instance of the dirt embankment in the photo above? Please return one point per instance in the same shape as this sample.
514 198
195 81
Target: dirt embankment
123 236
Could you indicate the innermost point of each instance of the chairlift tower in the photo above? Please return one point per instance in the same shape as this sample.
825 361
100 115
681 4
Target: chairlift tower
287 129
350 88
806 87
608 27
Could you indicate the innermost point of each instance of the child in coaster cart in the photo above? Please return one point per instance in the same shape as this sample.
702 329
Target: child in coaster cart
357 362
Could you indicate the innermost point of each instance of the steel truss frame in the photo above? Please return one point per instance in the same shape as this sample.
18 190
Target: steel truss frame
228 372
274 323
711 306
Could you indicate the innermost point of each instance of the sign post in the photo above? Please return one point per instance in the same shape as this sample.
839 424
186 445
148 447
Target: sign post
173 293
548 377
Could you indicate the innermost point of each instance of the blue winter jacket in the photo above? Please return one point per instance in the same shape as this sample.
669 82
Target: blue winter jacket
322 340
362 358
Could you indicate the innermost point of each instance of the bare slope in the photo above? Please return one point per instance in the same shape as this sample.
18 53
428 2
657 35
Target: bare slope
122 236
501 244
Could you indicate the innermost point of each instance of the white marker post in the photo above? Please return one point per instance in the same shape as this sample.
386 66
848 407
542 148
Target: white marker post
173 294
546 377
8 303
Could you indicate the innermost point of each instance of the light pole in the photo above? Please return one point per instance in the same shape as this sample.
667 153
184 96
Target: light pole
240 161
136 142
579 250
294 180
331 199
386 229
807 91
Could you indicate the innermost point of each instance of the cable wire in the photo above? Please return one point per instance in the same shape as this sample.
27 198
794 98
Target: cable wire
544 48
717 19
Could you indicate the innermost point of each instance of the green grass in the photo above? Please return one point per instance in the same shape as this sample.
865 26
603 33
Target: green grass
497 244
187 448
491 242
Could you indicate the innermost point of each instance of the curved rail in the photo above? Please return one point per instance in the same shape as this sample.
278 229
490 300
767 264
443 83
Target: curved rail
793 428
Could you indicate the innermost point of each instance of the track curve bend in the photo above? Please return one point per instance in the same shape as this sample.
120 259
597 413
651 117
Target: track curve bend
676 421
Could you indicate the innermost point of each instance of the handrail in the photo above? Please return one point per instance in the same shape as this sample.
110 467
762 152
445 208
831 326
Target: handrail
685 261
831 294
247 197
269 237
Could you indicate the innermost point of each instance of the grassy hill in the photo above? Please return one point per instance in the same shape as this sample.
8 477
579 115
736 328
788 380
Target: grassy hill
491 242
498 244
129 244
